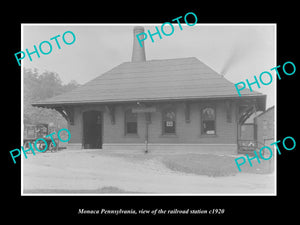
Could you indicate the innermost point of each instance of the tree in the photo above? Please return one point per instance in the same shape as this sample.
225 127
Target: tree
39 87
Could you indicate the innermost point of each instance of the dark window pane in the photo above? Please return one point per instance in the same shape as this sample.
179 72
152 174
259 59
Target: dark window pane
208 121
208 114
130 122
209 127
169 115
131 128
169 127
169 122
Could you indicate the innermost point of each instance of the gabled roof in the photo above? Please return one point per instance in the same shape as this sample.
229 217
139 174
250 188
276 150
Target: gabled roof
170 79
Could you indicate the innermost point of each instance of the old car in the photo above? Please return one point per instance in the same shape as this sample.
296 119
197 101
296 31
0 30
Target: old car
34 132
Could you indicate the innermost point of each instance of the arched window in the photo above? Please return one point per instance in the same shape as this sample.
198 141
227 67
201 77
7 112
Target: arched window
208 120
169 121
130 122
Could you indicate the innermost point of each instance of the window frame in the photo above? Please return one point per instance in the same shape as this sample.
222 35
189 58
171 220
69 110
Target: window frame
125 123
202 120
163 112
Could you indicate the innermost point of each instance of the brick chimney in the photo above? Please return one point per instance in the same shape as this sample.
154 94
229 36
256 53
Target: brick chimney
138 53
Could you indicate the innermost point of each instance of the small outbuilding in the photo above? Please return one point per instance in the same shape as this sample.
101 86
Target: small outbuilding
157 106
264 123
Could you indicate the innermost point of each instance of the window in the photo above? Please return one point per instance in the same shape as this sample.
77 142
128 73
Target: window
208 121
130 122
169 123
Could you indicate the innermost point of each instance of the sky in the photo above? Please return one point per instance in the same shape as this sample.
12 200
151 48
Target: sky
237 51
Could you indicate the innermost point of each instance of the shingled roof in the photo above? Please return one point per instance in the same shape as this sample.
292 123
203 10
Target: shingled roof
170 79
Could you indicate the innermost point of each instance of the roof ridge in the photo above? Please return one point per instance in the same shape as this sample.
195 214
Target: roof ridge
159 60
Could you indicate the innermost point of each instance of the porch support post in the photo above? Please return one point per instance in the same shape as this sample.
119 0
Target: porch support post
148 120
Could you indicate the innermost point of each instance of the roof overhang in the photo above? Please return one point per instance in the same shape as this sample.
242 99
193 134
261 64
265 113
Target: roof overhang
258 100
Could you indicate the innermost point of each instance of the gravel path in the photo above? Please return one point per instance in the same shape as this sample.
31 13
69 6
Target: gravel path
94 171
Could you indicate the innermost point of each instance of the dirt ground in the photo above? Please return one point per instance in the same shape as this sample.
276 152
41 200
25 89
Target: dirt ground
96 172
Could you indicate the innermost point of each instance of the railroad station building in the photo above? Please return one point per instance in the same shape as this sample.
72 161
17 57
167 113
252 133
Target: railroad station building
170 105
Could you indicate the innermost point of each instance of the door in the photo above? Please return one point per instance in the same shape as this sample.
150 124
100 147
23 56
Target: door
92 130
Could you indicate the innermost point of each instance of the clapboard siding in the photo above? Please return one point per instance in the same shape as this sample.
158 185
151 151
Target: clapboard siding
185 132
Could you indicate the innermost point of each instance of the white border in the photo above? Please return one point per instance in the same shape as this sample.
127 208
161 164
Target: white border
149 24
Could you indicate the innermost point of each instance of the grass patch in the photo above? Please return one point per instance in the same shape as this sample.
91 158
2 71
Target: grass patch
211 165
103 190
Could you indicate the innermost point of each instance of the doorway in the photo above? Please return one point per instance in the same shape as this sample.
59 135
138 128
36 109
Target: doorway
92 130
